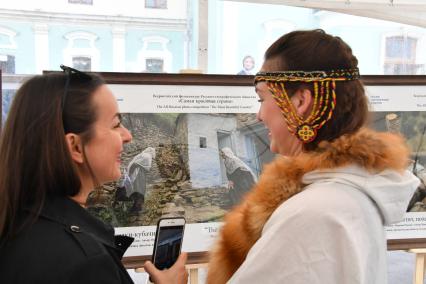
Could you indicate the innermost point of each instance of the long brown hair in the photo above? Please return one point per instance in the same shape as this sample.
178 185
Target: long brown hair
34 158
317 51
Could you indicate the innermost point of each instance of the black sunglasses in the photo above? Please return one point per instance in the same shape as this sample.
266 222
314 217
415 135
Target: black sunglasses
73 74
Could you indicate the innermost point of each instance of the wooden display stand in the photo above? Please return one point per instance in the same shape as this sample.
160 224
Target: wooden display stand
419 269
195 261
198 260
416 246
192 270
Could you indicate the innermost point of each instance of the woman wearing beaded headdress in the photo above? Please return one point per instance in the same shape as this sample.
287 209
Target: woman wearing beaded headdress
318 212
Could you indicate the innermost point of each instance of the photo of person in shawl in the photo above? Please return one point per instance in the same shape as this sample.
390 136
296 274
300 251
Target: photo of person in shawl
133 183
241 178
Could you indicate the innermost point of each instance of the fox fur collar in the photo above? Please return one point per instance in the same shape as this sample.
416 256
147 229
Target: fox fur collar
281 179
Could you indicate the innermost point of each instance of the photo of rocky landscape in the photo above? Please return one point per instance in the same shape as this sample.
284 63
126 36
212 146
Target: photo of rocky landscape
191 165
176 165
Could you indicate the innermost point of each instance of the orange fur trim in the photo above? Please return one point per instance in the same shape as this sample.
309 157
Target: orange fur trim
281 179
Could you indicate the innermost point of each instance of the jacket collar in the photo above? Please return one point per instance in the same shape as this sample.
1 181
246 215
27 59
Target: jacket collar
373 151
67 212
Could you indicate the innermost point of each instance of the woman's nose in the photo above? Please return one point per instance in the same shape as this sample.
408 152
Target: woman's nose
127 136
258 116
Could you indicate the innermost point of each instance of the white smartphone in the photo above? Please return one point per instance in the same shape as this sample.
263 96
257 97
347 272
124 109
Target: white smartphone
168 241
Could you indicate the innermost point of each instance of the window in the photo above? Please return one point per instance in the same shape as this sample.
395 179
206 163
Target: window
6 102
8 47
81 51
154 65
7 38
400 56
85 2
7 64
82 63
203 142
156 4
154 55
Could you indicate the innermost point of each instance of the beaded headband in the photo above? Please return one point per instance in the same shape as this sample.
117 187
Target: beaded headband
323 104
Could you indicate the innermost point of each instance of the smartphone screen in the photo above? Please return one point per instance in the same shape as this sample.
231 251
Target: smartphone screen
168 242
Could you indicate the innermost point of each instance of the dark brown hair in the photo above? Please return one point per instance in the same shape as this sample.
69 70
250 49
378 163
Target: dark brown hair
317 51
34 158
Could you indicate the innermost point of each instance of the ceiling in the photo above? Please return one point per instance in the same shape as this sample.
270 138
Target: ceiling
411 12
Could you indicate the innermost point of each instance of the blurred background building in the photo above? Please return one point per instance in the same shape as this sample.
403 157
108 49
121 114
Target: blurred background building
169 35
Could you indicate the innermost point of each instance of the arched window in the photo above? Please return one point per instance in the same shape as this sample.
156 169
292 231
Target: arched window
81 52
154 55
7 50
156 4
401 55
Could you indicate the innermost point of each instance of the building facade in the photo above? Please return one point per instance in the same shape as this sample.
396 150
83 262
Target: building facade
129 36
162 36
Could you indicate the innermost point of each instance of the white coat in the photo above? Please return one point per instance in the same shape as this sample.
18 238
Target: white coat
331 232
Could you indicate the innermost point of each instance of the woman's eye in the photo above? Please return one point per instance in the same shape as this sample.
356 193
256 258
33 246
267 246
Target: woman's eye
118 125
260 100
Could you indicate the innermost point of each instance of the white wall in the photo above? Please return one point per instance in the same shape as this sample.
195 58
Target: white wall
136 8
204 163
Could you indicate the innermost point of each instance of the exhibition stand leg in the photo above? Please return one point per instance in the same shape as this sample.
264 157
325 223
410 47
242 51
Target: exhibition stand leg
419 270
193 271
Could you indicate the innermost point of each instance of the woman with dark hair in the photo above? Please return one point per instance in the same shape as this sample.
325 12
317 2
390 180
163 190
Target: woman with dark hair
63 137
318 212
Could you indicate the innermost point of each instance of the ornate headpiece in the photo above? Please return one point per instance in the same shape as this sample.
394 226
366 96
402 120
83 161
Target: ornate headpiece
324 102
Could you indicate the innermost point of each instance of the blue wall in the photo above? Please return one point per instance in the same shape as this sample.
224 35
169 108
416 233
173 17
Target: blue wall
24 54
134 43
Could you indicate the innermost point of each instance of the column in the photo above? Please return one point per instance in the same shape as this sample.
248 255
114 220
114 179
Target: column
41 47
118 49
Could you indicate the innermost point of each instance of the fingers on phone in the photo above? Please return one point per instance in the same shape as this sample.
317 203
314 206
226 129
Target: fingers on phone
182 258
149 267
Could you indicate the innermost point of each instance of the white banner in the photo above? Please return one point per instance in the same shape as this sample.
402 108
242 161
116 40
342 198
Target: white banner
397 98
197 237
185 99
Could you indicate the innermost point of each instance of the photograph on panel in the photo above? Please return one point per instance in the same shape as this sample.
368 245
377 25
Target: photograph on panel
412 125
189 164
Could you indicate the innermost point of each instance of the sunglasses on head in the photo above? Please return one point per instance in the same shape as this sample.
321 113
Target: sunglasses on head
72 74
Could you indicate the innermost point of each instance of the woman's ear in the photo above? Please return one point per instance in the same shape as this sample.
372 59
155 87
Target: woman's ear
75 147
302 101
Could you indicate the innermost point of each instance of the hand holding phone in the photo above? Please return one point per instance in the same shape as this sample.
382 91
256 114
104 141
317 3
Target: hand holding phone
176 274
168 242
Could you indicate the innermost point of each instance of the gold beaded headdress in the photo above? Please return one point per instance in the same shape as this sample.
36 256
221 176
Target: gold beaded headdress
324 99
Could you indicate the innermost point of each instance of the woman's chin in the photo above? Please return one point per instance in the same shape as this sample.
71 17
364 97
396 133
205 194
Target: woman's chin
273 150
116 176
273 147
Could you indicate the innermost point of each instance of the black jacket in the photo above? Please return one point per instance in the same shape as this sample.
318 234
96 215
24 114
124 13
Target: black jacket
65 245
